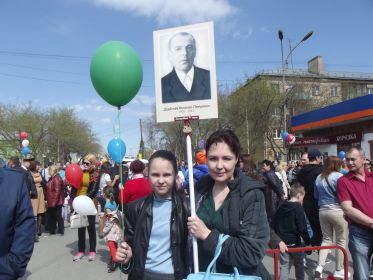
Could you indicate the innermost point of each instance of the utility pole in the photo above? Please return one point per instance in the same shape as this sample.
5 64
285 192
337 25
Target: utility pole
141 141
247 131
58 150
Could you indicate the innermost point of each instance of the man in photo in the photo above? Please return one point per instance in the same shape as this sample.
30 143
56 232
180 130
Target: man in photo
186 82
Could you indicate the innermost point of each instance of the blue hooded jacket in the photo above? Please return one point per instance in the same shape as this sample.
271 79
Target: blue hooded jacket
199 170
17 225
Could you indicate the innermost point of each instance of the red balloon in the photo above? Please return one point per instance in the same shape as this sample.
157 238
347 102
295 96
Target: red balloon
23 135
74 175
289 138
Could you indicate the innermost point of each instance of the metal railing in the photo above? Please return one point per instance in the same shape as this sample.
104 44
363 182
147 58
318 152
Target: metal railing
276 253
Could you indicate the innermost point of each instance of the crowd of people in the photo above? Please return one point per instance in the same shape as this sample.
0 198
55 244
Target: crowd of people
319 201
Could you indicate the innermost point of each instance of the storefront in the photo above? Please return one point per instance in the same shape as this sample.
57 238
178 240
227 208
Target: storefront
335 128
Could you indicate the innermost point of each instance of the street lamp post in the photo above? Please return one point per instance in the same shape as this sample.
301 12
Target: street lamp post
285 64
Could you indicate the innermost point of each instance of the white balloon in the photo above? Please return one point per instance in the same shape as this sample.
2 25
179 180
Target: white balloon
83 205
25 143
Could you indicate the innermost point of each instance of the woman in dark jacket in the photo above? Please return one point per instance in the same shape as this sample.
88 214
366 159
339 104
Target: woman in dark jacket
55 199
274 192
156 226
231 203
89 187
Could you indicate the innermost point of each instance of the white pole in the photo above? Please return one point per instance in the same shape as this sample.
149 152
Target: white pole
192 199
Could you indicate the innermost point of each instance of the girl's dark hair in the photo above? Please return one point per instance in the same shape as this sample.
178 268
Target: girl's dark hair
226 136
105 167
249 167
167 155
137 166
269 163
32 166
331 164
108 192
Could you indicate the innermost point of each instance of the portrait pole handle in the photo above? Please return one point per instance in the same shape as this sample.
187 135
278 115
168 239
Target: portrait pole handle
192 198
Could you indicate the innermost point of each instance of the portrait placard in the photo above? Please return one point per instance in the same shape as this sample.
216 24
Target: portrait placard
185 72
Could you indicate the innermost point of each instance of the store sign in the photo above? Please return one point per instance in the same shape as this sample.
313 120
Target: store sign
339 139
348 138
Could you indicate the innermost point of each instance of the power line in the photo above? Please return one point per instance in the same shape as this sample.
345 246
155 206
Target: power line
43 69
241 61
42 79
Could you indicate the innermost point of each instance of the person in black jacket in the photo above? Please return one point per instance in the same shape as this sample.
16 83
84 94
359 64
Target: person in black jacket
89 187
274 193
229 202
289 224
307 177
16 224
156 227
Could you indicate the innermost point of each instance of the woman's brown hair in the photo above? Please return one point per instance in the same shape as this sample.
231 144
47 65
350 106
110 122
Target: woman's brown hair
331 164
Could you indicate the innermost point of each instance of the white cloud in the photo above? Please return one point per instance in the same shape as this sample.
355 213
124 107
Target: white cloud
106 120
143 99
174 11
93 107
236 30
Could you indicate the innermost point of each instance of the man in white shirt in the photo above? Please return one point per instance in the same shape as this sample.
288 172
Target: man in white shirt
186 82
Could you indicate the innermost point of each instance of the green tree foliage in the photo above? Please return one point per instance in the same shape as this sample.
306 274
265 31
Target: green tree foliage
257 109
53 133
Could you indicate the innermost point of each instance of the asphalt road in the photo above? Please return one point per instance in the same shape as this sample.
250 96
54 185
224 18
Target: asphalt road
52 259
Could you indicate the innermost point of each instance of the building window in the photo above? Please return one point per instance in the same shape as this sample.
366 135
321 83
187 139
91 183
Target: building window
276 112
276 86
334 91
315 90
370 89
360 90
277 134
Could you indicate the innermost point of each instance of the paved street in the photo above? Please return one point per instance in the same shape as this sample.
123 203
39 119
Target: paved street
52 259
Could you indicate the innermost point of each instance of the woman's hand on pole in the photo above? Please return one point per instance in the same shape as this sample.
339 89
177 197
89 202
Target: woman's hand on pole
198 228
124 253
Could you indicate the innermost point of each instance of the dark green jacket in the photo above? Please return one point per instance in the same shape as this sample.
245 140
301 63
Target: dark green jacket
245 220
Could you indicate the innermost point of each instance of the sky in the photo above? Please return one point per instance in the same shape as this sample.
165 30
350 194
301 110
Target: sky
46 47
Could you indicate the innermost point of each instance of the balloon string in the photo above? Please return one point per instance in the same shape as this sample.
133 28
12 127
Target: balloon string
121 182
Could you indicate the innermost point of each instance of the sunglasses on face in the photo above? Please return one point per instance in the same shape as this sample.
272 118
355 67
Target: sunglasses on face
87 163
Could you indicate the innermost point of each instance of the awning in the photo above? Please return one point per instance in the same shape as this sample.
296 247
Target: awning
356 109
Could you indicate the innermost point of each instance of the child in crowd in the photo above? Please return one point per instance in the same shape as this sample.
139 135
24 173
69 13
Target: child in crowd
289 224
112 230
65 207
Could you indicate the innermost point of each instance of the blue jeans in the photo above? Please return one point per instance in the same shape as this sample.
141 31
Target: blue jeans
361 249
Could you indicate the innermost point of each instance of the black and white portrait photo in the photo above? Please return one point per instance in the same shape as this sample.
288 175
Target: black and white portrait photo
186 81
185 74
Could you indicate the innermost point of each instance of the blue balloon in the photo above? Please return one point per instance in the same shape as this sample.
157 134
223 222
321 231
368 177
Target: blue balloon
342 155
284 135
116 149
25 151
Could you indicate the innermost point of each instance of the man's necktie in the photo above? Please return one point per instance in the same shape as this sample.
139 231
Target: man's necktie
188 83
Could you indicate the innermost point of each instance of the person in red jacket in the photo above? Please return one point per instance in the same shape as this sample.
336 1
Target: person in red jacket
55 199
137 187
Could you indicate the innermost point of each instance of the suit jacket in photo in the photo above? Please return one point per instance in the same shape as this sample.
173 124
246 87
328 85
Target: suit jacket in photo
174 91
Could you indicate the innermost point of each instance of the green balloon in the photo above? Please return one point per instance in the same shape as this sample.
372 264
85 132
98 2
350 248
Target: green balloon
116 73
